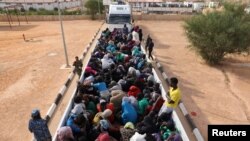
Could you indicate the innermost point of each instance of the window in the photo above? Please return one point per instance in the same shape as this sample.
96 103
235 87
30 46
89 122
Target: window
119 18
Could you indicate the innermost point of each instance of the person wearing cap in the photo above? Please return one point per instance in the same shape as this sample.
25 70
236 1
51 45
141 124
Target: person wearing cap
39 127
127 131
174 97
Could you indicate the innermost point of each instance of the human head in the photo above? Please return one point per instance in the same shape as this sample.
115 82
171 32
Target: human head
129 125
104 125
139 96
173 82
77 58
80 119
35 114
64 133
85 97
78 99
106 113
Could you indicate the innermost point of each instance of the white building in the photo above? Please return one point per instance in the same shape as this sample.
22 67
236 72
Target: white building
162 6
46 4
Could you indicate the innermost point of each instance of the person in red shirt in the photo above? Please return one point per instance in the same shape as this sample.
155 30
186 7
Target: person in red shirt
103 105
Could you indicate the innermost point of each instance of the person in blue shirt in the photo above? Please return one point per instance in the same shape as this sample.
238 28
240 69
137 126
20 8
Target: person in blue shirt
77 124
129 113
102 88
39 127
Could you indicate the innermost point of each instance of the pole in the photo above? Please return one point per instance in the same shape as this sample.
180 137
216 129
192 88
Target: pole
26 17
64 44
7 14
17 16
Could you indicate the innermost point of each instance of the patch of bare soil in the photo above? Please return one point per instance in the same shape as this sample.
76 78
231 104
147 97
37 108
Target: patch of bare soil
219 95
30 74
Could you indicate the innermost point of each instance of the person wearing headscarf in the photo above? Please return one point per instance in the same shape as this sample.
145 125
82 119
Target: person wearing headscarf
101 86
167 129
79 107
143 103
116 99
106 61
138 137
77 123
64 134
134 91
104 126
129 113
147 125
104 135
127 131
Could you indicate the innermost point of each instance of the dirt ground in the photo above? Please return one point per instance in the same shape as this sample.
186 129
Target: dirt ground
30 74
218 95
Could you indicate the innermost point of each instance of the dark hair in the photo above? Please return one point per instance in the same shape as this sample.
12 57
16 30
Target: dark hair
103 106
174 80
139 96
164 117
78 99
147 95
38 116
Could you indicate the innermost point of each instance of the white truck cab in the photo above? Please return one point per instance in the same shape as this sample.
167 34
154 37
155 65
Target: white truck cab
118 15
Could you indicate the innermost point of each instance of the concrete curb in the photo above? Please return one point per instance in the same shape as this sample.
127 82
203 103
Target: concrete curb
59 96
195 130
181 106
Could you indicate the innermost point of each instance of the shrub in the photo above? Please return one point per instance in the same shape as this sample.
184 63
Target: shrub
32 9
219 33
55 9
93 7
22 9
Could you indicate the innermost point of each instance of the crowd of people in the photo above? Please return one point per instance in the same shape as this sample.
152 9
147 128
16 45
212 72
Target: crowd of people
119 99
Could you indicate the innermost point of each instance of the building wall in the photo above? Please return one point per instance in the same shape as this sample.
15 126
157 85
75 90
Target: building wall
45 5
88 17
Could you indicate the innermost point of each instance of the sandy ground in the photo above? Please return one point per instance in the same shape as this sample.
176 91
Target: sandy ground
30 74
219 95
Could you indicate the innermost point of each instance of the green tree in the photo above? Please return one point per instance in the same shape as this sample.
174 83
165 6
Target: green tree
32 9
93 7
215 34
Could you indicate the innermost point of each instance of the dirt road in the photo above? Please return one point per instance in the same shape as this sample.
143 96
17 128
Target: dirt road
30 74
219 95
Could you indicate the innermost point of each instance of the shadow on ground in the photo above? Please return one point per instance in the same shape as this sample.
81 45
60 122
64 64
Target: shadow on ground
22 27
